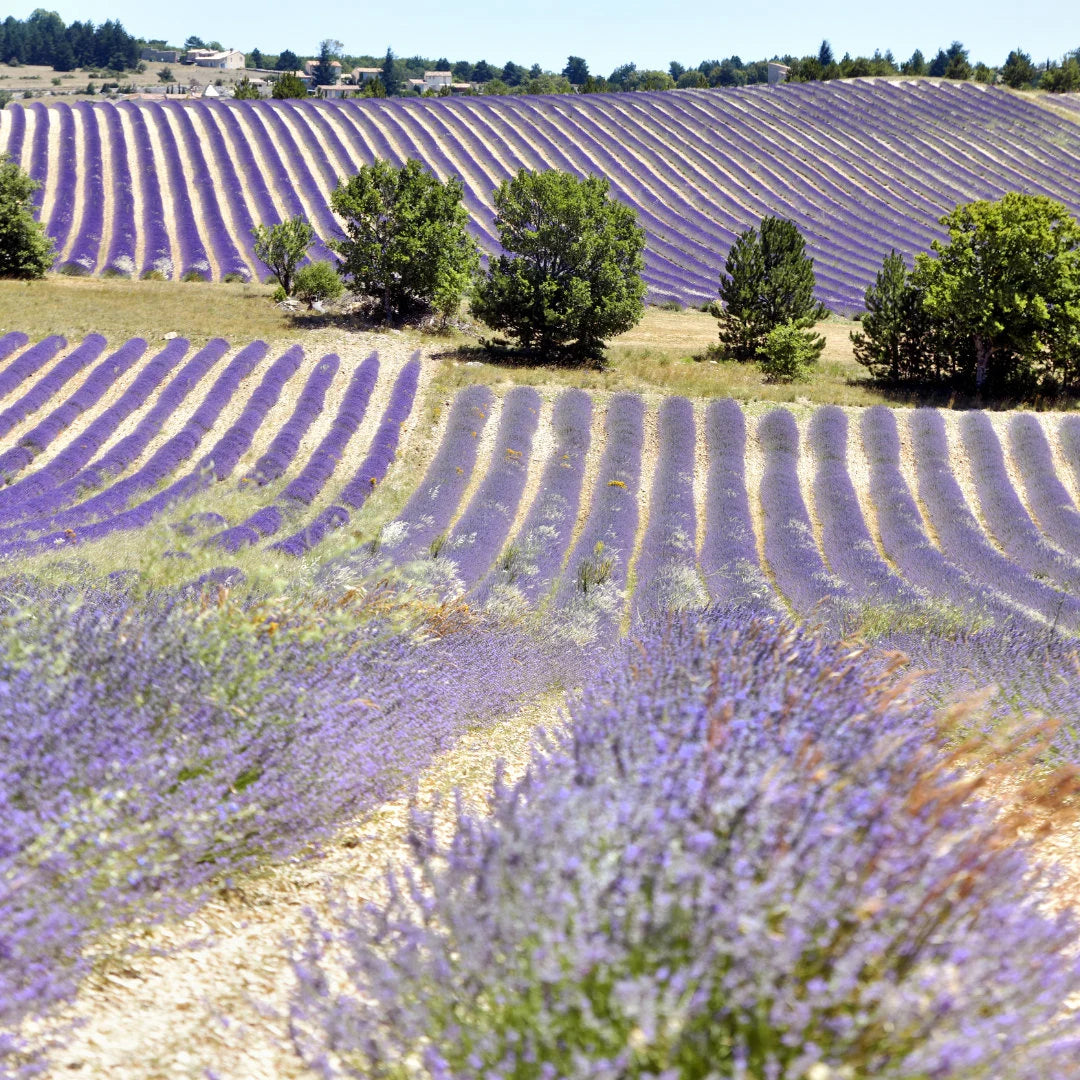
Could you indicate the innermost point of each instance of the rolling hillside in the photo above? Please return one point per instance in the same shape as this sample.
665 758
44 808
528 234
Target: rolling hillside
862 166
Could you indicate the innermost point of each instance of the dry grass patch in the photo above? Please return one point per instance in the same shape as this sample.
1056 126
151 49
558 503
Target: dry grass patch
665 353
119 308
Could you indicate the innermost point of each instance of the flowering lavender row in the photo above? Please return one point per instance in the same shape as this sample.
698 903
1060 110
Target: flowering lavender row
902 534
229 260
480 531
431 506
1069 442
46 482
596 571
319 468
740 859
533 560
845 539
327 455
148 749
10 342
111 503
157 257
115 460
281 451
99 381
961 538
729 555
666 572
862 167
120 258
16 135
39 154
67 175
83 256
1058 518
29 362
790 547
383 447
217 463
1008 520
372 469
43 390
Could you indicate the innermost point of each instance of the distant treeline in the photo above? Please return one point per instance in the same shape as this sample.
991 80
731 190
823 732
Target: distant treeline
44 39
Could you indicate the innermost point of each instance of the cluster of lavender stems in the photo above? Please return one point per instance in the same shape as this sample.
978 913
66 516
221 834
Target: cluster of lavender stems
963 540
1047 496
790 547
729 555
742 858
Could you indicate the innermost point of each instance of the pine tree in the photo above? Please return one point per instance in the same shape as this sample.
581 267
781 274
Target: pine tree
768 280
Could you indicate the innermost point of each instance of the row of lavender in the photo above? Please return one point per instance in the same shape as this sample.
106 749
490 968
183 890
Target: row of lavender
862 167
1019 559
93 487
1020 563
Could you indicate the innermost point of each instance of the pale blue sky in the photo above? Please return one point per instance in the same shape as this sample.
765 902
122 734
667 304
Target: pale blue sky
605 32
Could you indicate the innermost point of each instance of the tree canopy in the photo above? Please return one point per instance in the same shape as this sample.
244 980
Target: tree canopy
995 310
767 281
26 250
282 247
407 244
572 273
288 85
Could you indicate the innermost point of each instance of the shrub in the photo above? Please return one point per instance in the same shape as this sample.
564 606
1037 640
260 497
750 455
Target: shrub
789 353
741 859
317 281
573 273
282 247
768 280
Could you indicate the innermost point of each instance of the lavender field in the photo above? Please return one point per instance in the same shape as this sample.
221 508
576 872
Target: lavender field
252 595
861 166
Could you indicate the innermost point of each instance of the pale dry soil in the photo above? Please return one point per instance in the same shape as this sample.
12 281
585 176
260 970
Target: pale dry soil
217 999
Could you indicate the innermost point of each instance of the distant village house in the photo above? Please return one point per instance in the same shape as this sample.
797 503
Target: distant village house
228 59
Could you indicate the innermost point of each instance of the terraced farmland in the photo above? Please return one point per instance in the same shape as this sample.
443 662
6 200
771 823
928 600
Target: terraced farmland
862 167
600 506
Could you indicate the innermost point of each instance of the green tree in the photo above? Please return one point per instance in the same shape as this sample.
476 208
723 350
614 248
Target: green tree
1006 287
256 58
788 353
289 85
894 340
389 78
288 61
958 66
825 55
1063 78
282 247
768 280
692 80
246 90
316 282
572 273
325 72
576 70
1018 70
407 244
165 75
916 65
373 88
26 250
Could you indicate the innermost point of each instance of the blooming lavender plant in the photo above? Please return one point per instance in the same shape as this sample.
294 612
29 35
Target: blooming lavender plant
41 393
845 538
1047 496
790 547
742 859
29 362
666 570
729 556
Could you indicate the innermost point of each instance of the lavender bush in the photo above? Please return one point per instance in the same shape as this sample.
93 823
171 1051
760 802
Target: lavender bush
666 571
742 859
29 362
